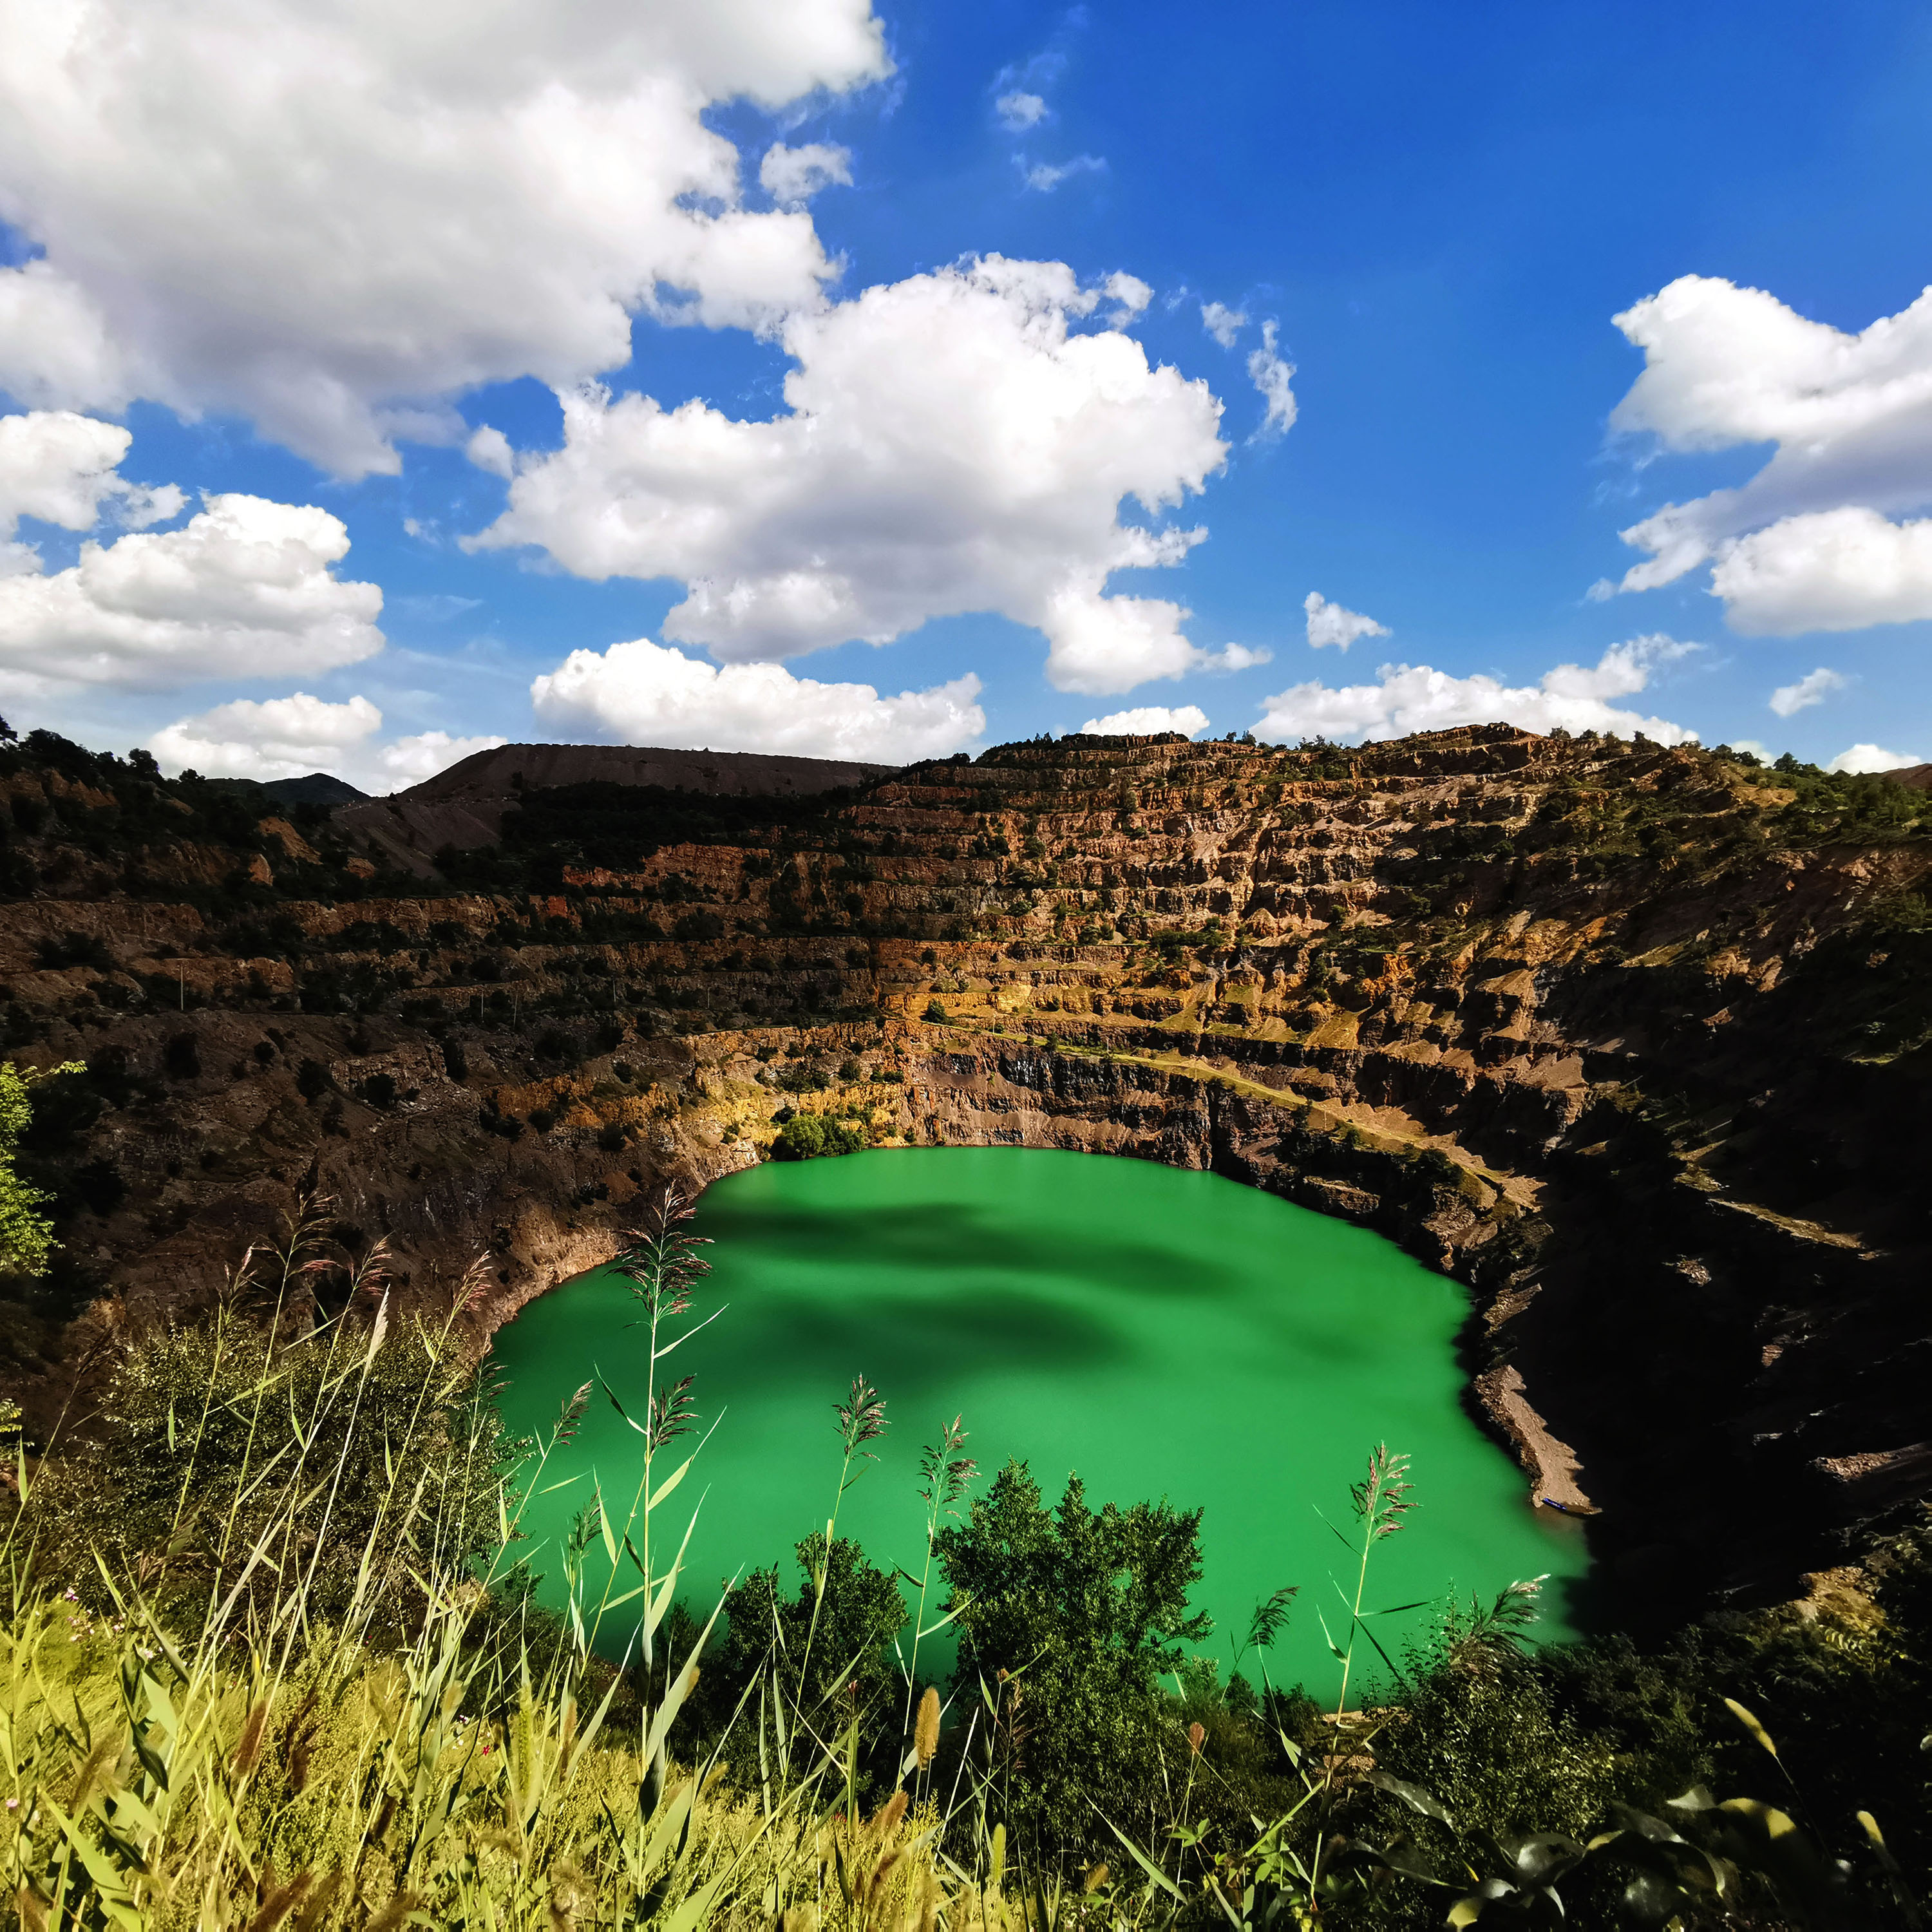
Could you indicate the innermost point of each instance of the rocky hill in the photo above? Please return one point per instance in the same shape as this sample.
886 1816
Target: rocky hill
464 807
1631 1040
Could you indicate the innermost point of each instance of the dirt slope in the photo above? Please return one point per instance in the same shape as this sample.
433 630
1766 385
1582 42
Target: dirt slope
464 807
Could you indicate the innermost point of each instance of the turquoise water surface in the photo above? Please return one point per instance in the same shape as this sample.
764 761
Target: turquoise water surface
1165 1334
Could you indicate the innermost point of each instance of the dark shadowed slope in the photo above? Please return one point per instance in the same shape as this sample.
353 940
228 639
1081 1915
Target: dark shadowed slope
464 807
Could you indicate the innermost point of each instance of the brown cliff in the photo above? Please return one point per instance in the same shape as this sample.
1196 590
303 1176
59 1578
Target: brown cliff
1631 1040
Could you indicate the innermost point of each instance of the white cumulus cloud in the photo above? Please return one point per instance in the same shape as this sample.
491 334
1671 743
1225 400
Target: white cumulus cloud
1018 112
63 469
952 443
1872 758
1808 543
330 218
244 589
1827 570
288 737
1222 322
1271 375
1416 697
641 693
404 762
1146 719
1331 624
1813 688
791 176
1129 295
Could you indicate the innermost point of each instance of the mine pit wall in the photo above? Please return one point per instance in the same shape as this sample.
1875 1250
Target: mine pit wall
1732 1386
1608 1346
1642 1345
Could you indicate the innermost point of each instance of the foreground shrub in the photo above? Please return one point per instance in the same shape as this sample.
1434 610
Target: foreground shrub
270 1448
826 1650
1070 1616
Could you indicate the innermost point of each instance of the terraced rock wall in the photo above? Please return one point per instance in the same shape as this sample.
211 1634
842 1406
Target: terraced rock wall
1631 1040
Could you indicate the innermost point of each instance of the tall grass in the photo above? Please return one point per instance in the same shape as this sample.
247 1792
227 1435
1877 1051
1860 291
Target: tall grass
248 1719
280 1663
291 1671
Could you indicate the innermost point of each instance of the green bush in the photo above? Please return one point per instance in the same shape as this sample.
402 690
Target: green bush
26 1232
808 1136
1069 1617
836 1664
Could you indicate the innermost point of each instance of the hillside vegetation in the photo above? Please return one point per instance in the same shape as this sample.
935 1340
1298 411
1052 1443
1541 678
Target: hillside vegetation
1629 1040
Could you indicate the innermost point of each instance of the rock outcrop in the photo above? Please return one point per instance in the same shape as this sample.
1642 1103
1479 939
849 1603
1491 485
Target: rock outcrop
1631 1040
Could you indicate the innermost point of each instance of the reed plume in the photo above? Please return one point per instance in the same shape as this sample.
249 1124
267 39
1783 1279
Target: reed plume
925 1733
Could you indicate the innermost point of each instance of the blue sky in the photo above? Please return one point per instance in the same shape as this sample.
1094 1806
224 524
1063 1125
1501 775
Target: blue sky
1438 211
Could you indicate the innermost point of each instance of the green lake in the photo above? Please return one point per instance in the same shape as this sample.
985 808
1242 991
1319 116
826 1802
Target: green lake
1163 1333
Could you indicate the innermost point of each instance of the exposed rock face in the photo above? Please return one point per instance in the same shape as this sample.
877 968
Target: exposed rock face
1631 1041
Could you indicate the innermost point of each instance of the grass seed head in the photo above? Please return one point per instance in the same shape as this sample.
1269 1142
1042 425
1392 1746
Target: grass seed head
1380 1497
862 1419
662 1262
248 1745
572 1418
673 1414
945 1475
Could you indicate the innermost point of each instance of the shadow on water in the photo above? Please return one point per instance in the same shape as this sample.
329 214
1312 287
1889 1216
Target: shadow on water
1166 1332
947 1237
926 1340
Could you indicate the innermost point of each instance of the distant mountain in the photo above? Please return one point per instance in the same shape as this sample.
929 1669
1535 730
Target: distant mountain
464 806
315 788
311 788
506 768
